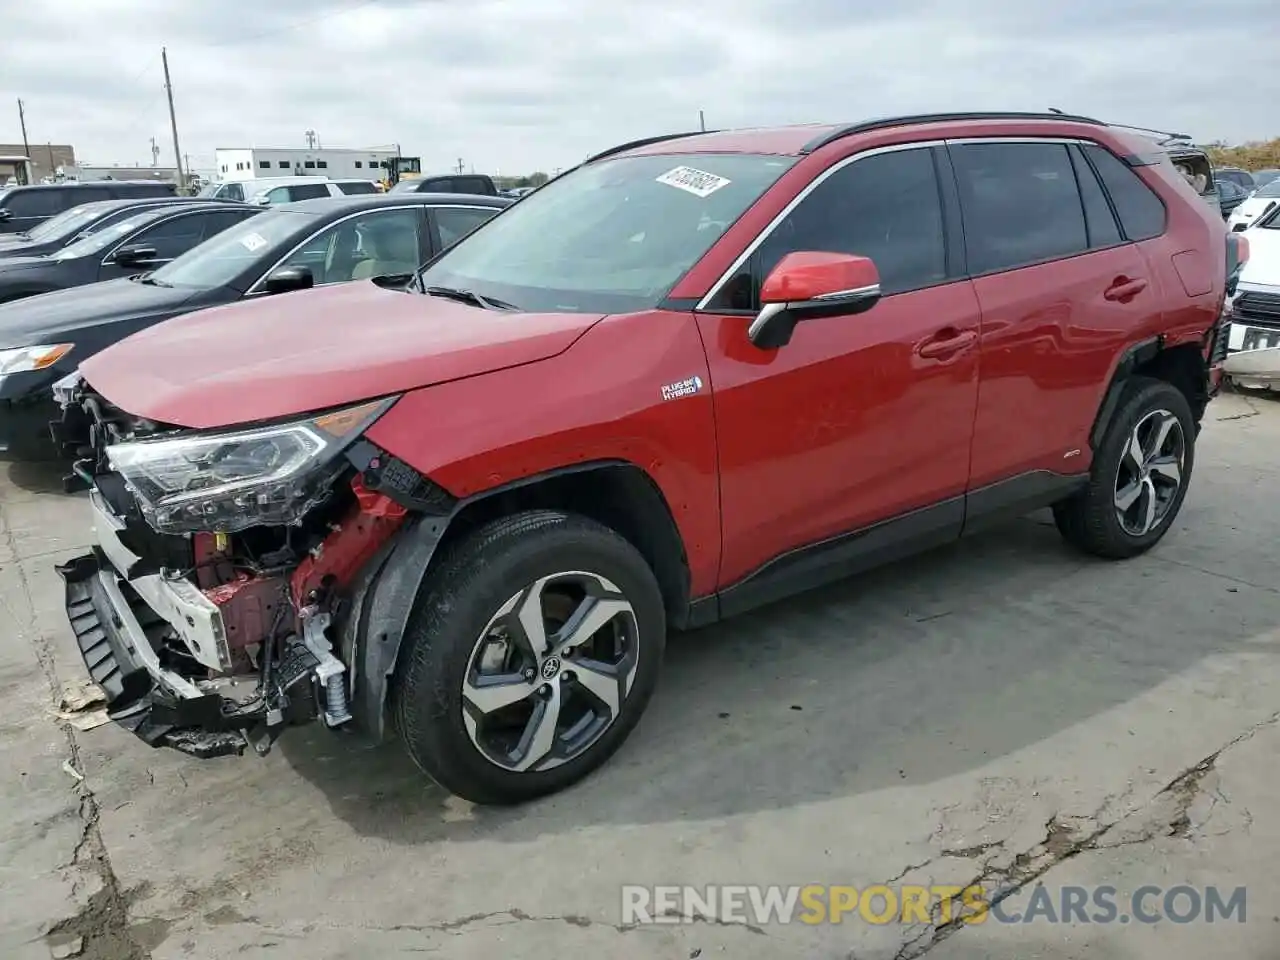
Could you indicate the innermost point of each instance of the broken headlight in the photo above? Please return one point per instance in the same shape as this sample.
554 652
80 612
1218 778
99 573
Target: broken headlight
226 482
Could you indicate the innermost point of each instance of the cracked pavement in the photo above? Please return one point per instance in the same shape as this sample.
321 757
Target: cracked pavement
1001 711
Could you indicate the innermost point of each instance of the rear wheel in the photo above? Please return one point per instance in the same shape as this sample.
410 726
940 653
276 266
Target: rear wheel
1139 477
534 653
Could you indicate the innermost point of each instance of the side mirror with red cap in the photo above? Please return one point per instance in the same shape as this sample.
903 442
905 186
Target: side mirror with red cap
809 284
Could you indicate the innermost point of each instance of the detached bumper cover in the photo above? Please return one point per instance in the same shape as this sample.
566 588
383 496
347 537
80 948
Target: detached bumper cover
158 706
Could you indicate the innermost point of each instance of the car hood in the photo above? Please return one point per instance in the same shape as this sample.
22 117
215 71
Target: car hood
23 263
11 242
288 354
1252 208
1263 265
51 316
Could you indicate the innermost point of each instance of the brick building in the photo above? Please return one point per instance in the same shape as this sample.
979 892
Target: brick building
45 157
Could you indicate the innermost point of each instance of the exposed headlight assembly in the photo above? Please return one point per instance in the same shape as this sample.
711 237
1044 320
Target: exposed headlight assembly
27 359
226 482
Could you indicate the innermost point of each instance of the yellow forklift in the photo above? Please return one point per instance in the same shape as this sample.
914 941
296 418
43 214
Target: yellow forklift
400 168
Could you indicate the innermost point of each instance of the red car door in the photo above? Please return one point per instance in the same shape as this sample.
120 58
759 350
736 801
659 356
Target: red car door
1062 293
859 419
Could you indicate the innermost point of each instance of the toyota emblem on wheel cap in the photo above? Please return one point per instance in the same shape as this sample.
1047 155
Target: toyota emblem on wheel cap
550 667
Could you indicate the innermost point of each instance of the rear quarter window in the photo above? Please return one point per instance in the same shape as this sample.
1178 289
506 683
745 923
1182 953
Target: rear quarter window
1141 211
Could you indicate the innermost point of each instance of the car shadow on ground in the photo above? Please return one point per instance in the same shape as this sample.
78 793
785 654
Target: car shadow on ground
913 673
36 476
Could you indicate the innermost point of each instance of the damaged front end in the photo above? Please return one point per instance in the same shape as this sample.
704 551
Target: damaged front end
221 601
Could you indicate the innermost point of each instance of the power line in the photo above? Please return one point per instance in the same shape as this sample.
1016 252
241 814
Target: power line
292 26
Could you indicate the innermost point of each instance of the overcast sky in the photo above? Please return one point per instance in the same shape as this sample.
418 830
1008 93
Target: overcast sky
517 85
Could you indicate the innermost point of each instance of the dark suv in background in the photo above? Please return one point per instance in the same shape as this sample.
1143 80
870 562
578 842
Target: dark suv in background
477 183
22 208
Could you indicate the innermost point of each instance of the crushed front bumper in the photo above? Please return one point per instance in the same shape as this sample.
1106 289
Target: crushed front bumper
116 622
159 706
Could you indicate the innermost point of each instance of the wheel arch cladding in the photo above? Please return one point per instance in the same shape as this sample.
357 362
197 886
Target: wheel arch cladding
617 494
1182 365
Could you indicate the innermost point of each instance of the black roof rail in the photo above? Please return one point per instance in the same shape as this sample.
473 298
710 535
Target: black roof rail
880 123
644 142
1169 137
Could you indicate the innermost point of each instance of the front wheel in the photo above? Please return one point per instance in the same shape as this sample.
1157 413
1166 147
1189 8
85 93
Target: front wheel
535 650
1139 477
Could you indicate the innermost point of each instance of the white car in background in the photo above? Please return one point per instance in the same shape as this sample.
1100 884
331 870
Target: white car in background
1253 343
1259 203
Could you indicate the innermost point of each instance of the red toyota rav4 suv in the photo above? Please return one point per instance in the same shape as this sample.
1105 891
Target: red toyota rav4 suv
694 374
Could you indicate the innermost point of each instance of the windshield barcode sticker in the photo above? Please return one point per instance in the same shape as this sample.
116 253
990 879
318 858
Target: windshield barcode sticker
698 182
253 242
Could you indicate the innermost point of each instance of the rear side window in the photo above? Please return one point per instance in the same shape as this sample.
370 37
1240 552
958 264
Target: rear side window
357 186
81 195
1021 204
40 202
308 191
1141 212
1098 218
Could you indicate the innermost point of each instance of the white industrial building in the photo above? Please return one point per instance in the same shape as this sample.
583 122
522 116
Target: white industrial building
249 163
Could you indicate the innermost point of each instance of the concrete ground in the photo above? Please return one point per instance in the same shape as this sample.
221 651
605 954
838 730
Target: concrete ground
1002 711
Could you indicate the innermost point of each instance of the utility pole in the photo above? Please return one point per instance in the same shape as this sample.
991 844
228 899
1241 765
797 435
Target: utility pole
173 122
155 152
702 122
459 164
22 122
311 139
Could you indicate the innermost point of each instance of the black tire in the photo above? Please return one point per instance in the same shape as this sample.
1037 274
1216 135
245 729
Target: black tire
1088 520
461 594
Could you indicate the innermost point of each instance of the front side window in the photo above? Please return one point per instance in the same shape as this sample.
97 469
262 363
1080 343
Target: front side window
376 244
1021 204
353 187
885 207
278 195
172 238
233 251
612 236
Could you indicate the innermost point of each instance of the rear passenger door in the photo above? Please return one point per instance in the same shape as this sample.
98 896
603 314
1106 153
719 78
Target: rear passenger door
1062 293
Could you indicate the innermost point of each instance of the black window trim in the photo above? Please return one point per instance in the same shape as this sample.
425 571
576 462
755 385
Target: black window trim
704 303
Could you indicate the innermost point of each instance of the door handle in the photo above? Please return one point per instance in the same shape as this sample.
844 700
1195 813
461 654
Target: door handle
1124 289
946 343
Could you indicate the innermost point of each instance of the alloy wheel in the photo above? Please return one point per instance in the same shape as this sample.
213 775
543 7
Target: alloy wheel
550 672
1150 473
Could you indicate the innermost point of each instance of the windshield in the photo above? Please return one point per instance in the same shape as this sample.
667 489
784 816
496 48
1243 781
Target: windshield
610 237
69 222
1270 189
97 242
210 189
219 260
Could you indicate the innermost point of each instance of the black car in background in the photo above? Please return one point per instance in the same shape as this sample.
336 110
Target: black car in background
1241 178
473 183
1230 195
287 247
71 225
22 208
144 240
